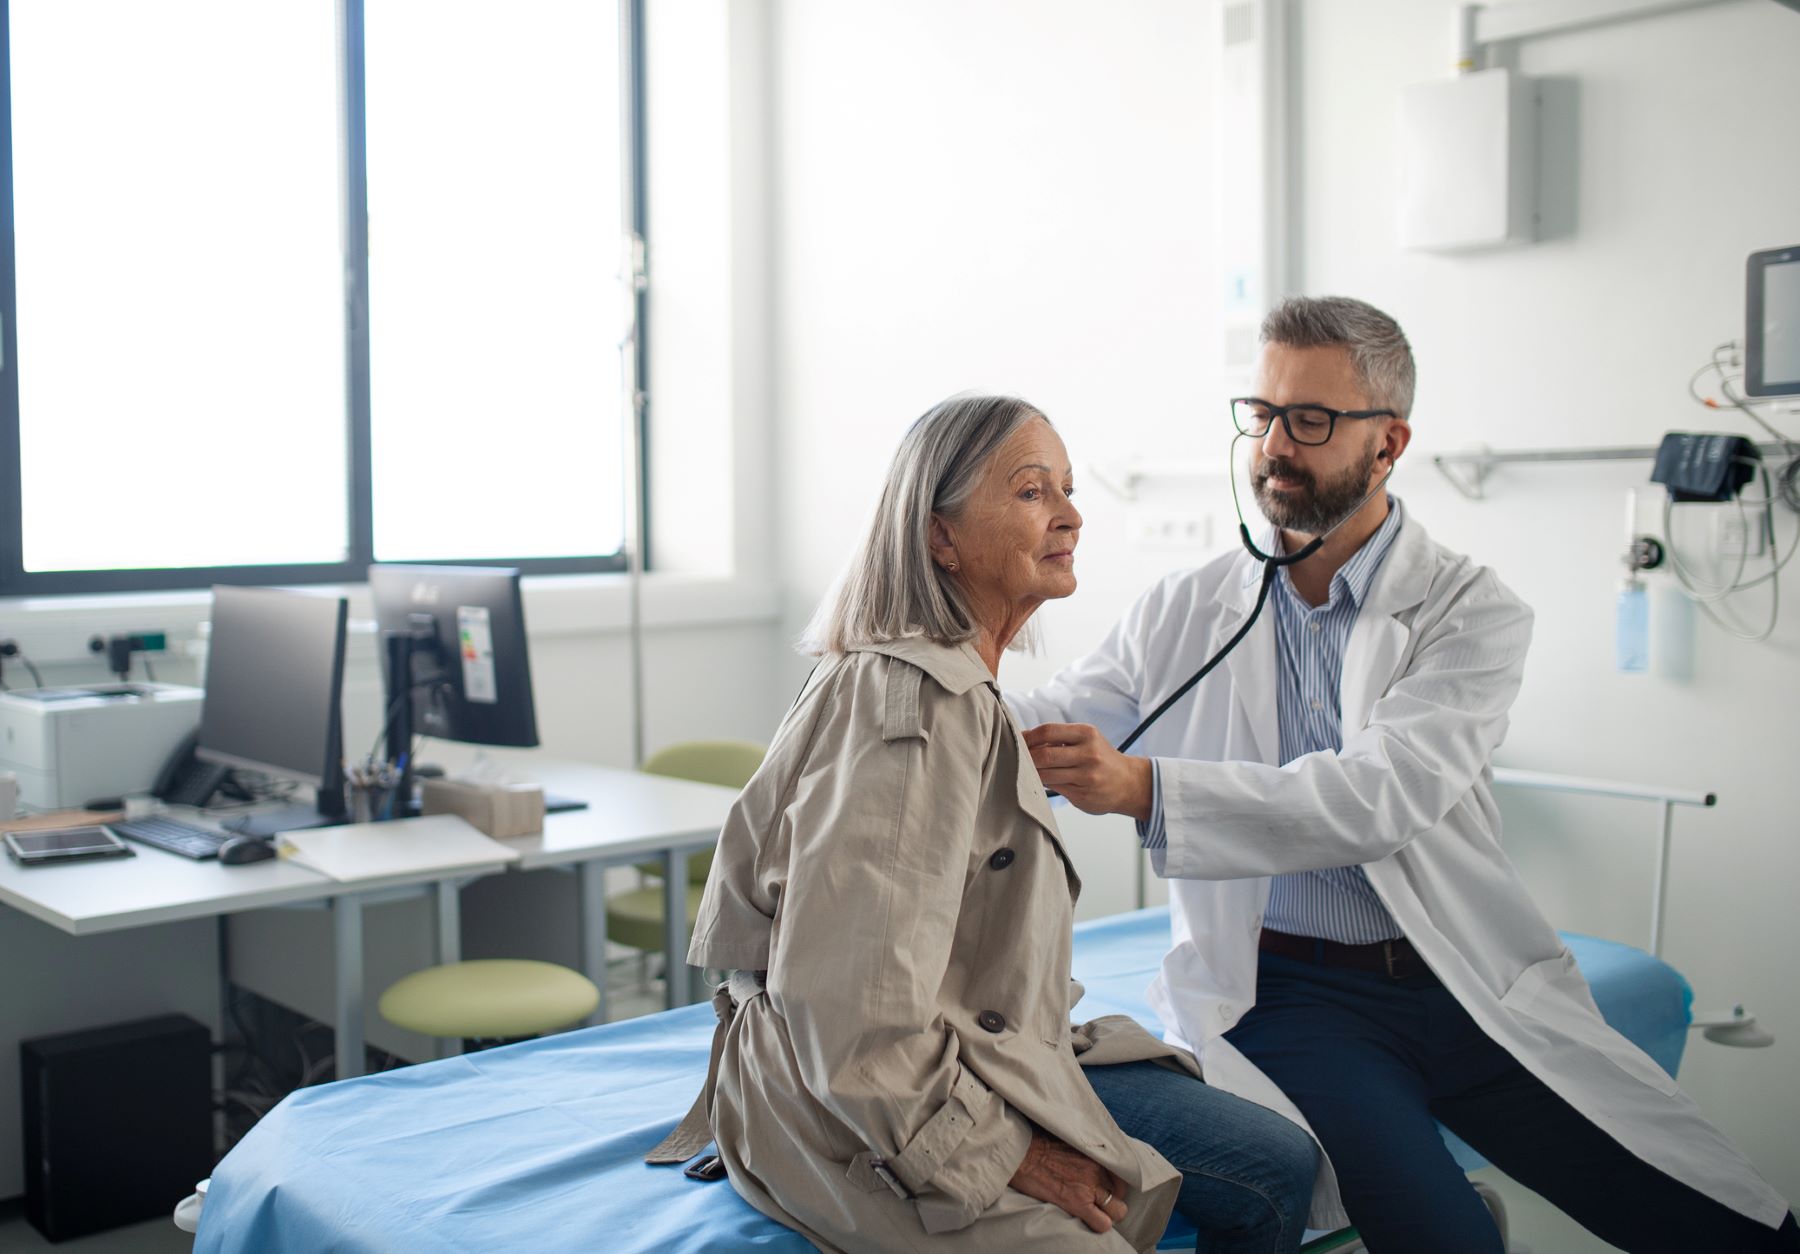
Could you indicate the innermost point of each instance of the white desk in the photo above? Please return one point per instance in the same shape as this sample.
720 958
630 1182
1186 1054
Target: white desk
630 818
111 895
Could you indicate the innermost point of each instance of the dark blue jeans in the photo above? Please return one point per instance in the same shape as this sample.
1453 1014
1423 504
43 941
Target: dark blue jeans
1375 1063
1246 1172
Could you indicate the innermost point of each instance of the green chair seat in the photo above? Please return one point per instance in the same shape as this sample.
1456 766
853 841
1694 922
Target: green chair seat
728 763
493 998
636 918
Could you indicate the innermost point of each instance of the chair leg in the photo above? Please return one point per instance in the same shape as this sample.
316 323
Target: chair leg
1497 1208
475 1044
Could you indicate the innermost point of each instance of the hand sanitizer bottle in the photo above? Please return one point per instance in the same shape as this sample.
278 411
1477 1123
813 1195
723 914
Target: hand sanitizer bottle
1631 635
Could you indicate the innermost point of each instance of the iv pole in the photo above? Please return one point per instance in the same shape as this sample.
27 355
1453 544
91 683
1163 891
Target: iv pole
634 280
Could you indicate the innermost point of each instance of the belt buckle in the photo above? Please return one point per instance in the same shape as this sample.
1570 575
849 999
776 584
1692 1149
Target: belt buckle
1387 954
886 1175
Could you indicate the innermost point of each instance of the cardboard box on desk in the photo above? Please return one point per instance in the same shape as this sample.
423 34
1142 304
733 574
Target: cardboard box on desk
499 810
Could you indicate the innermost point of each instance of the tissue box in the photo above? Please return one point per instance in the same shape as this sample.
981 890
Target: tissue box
500 810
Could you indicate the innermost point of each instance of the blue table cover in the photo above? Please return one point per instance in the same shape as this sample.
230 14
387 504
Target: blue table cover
539 1145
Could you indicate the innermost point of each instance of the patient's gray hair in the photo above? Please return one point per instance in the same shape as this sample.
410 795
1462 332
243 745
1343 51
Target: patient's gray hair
893 589
1378 347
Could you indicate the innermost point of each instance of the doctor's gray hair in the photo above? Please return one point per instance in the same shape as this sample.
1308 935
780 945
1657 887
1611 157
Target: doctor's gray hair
1378 347
892 588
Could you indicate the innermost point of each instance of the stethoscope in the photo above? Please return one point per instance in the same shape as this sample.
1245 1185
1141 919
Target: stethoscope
1272 564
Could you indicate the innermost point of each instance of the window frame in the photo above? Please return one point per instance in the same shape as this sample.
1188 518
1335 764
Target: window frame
15 580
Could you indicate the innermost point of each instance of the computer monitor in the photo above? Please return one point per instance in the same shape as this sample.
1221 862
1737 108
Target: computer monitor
274 687
453 637
1772 323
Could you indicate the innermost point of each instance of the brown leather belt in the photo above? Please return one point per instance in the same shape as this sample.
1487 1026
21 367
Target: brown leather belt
1396 959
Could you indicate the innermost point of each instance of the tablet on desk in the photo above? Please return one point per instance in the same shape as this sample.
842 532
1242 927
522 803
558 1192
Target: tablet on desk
65 844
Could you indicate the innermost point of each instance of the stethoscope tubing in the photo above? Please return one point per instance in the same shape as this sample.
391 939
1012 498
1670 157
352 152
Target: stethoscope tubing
1270 567
1272 563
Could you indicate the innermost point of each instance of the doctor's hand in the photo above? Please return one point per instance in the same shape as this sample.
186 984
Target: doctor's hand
1078 762
1054 1173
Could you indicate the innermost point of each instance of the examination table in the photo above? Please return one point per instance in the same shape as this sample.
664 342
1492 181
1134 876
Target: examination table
539 1145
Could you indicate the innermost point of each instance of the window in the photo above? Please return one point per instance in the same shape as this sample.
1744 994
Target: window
296 285
494 312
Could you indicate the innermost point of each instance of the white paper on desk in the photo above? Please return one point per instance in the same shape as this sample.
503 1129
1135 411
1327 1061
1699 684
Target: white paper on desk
368 851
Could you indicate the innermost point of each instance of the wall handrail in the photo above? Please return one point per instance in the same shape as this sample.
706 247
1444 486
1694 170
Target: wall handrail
1666 799
1468 471
1602 787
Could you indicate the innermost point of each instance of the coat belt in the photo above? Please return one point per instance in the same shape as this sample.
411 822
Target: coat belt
694 1131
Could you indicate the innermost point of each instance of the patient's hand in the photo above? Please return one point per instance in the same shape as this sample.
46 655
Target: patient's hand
1054 1173
1075 760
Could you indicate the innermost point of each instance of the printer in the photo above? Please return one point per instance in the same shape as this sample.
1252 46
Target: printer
73 745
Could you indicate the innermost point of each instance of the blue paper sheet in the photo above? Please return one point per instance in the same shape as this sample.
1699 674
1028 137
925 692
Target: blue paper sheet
539 1145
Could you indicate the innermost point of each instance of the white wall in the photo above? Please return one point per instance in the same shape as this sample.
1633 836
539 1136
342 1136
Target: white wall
1011 196
1670 149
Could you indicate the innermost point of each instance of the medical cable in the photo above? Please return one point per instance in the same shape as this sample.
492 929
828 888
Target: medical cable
1706 595
10 649
1723 362
1758 513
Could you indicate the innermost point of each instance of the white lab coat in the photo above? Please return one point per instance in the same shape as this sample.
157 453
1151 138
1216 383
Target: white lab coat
1432 666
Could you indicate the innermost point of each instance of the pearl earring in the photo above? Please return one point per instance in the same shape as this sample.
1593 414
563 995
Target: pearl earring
949 565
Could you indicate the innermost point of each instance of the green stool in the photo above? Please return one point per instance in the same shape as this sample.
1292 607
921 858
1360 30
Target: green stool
727 763
490 999
635 919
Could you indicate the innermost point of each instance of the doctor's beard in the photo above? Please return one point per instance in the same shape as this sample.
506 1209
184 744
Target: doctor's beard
1314 508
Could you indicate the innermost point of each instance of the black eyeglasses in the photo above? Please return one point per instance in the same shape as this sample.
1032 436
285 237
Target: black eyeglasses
1304 424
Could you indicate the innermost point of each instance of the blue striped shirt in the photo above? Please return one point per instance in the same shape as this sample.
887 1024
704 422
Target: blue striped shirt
1335 904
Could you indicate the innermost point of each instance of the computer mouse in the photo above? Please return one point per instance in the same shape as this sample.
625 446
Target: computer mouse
241 849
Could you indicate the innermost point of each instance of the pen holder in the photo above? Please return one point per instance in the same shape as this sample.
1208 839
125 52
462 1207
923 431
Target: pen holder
368 801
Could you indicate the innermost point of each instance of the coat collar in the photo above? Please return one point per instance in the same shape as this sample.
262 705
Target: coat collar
956 667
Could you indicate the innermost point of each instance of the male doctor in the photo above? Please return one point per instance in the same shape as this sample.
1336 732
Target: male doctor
1351 946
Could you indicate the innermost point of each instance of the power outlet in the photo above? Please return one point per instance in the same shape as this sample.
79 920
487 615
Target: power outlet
1740 533
1172 531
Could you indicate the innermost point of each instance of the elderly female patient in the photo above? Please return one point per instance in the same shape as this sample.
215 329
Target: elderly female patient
896 1069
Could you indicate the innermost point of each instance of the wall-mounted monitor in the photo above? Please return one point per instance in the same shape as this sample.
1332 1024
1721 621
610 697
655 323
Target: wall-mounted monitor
1772 323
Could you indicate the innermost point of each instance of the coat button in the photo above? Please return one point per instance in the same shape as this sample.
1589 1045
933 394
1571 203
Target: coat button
1002 859
991 1021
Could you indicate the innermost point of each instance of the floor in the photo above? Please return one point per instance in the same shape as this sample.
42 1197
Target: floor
1536 1227
154 1236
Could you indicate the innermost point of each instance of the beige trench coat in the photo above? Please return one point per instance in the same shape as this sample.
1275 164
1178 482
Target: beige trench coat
895 870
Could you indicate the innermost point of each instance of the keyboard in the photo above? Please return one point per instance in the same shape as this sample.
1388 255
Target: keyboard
173 836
